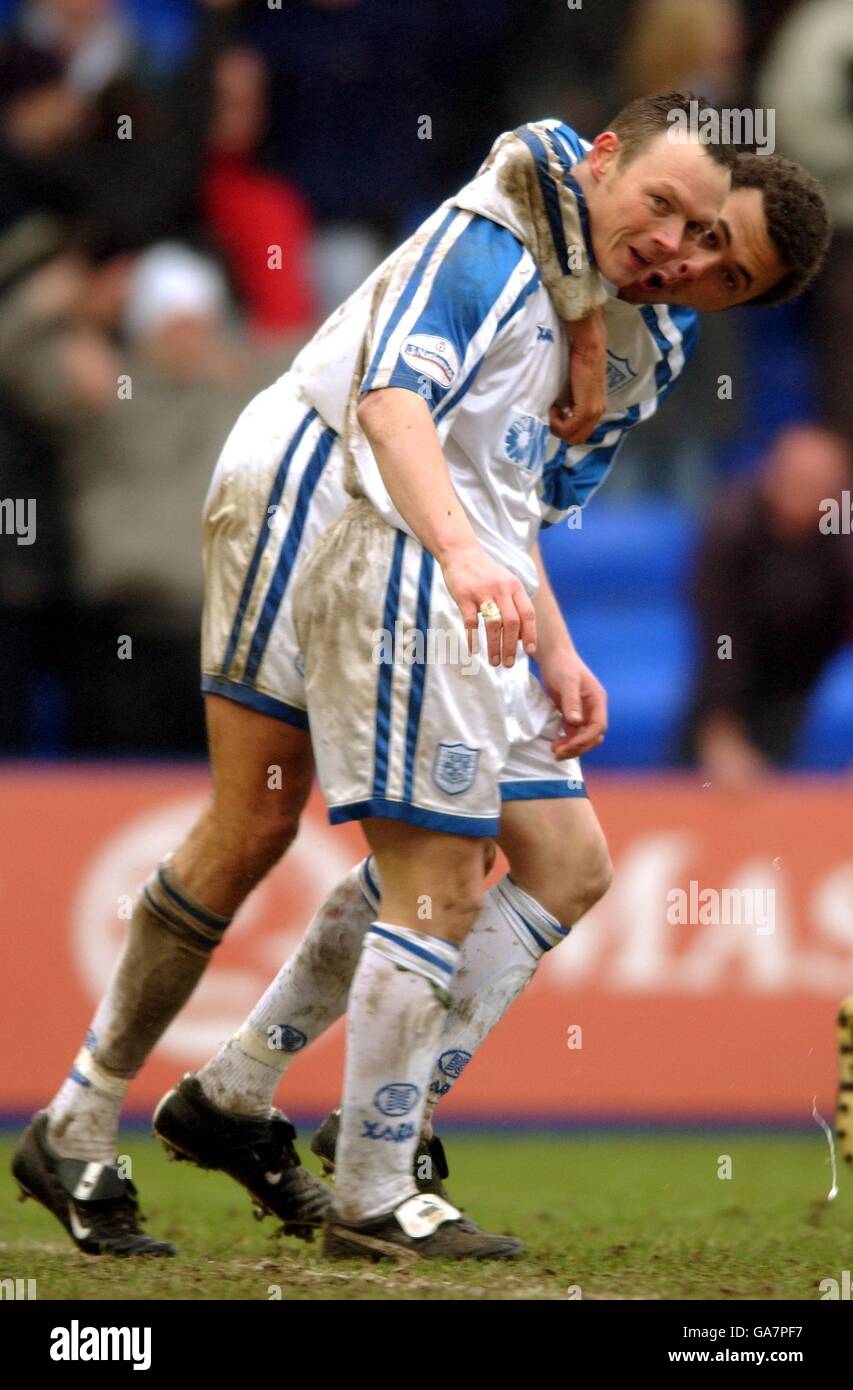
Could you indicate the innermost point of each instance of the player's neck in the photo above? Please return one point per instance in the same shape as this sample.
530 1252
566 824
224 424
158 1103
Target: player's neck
583 174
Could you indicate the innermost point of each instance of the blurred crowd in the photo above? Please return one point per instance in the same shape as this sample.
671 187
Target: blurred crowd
187 187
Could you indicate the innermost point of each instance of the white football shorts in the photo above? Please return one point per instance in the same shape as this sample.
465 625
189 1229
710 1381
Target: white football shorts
405 724
277 485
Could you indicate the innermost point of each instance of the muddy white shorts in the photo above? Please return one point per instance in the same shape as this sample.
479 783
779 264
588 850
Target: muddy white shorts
277 485
405 724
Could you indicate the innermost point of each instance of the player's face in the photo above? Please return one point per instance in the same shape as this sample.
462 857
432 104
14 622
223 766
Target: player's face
654 208
732 263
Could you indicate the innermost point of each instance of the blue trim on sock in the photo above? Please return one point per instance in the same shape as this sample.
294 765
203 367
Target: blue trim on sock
369 877
540 940
179 925
210 919
416 950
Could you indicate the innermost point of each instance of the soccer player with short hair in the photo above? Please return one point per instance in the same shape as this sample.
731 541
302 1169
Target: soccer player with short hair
278 467
450 489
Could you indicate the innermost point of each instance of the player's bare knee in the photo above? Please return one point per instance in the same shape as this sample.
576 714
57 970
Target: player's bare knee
600 880
268 835
569 893
257 838
594 879
458 910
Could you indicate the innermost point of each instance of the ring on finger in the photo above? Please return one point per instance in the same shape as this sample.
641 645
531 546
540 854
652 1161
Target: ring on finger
489 611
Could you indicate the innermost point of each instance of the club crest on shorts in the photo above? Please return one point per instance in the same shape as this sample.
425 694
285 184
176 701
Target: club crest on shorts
455 767
619 371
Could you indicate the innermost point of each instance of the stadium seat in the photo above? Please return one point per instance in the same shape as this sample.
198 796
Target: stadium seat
826 738
642 653
623 551
622 581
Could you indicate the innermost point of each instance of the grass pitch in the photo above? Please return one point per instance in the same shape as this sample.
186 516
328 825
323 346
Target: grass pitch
603 1217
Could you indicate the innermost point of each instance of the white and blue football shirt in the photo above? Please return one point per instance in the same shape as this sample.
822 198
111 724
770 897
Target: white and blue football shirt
459 315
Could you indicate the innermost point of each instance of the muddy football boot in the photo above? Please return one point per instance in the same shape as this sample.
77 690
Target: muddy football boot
420 1228
258 1153
844 1108
429 1171
95 1204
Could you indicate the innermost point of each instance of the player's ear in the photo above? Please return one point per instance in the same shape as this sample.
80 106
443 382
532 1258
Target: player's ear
605 151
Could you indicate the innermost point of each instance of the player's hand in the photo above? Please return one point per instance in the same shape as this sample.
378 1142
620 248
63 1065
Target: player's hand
582 403
473 578
581 699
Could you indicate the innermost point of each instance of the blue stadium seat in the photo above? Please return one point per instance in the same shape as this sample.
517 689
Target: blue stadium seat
826 739
621 581
642 653
165 29
625 549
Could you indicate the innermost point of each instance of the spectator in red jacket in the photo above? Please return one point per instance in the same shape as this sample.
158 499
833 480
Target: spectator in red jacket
260 223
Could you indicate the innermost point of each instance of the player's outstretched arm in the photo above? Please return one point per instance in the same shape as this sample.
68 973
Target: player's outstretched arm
404 441
577 693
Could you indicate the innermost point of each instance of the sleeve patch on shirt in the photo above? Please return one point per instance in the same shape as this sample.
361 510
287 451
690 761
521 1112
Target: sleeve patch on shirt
435 357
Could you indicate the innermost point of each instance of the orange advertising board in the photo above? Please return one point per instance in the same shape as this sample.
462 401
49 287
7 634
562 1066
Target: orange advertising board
704 986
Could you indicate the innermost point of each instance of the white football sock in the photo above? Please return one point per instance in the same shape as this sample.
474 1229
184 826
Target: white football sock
307 996
396 1011
84 1114
497 959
